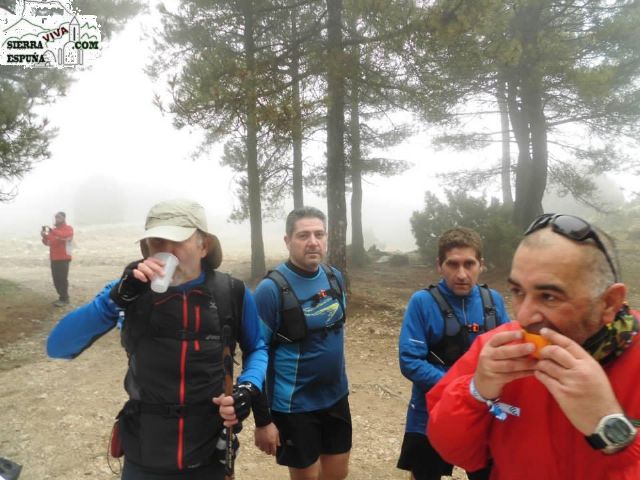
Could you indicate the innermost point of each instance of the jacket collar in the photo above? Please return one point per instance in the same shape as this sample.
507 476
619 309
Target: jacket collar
450 296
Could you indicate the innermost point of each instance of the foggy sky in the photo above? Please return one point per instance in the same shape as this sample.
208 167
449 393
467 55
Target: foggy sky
115 155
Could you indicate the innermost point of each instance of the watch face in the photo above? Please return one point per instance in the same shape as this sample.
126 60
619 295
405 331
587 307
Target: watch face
617 431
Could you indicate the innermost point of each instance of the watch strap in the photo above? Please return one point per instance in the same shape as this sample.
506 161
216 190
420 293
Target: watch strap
596 442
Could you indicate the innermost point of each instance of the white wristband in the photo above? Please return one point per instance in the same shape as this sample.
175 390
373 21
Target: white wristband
493 405
476 394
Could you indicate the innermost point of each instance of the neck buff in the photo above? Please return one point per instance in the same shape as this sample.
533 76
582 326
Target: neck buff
614 338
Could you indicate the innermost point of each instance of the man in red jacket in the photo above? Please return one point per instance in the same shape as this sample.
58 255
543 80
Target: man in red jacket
569 409
58 238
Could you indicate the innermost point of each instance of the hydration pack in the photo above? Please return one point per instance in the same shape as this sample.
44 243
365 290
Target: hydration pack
455 340
293 325
174 344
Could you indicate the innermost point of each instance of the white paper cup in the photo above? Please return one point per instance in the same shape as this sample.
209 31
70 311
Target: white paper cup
161 284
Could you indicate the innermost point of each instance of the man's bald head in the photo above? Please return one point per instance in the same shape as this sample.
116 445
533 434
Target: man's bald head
592 266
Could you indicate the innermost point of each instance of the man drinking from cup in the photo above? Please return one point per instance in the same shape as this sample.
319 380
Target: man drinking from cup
171 424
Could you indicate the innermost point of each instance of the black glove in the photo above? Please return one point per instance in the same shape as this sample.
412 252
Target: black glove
129 287
243 394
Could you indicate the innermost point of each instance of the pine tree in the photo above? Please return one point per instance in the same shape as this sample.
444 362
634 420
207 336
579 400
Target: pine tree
561 62
25 135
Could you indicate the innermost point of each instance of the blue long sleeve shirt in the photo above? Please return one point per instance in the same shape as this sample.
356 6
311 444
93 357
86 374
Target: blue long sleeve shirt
423 328
77 331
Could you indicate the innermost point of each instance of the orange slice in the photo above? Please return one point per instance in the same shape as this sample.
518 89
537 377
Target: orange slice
537 340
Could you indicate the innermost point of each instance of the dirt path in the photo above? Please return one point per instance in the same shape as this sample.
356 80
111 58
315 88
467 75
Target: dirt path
56 415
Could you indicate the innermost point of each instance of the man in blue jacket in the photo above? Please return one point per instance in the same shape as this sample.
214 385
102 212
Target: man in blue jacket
174 417
439 325
302 305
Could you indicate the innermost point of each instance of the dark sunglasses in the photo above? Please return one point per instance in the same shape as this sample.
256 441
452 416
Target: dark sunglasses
573 228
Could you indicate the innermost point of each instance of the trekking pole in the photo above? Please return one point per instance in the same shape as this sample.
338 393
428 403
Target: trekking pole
227 362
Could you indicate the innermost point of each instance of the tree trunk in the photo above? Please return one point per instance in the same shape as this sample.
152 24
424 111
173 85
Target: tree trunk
336 202
296 127
531 172
258 266
507 198
527 118
532 101
358 253
524 167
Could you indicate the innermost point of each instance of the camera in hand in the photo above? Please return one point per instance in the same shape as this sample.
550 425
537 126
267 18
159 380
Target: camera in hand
45 229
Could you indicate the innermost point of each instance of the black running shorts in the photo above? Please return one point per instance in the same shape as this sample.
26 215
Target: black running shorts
419 457
306 436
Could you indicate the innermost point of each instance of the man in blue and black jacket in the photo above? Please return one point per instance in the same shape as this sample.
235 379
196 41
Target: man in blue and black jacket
439 325
174 340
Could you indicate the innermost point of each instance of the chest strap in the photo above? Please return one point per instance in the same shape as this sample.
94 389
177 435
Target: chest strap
169 410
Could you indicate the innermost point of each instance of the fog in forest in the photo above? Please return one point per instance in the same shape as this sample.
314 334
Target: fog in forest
115 155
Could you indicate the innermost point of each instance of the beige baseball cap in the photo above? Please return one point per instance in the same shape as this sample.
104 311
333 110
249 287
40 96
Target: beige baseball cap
177 220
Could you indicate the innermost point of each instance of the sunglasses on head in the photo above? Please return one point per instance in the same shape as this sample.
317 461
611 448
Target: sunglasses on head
573 228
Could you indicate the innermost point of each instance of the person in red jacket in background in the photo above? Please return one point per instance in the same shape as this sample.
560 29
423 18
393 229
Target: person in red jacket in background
58 238
561 404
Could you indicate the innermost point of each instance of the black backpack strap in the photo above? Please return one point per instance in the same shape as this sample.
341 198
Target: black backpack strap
293 324
288 299
228 293
454 337
237 304
490 321
168 410
452 323
336 290
183 334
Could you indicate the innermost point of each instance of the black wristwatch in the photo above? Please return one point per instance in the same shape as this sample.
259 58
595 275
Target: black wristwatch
613 433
